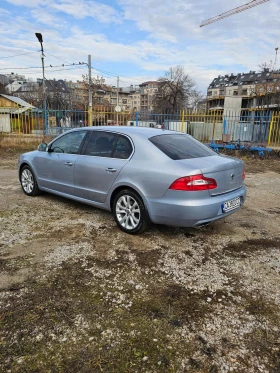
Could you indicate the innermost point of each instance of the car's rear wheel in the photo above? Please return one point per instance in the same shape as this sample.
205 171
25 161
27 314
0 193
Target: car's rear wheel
28 182
130 213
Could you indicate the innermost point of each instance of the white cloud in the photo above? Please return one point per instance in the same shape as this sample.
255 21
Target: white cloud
47 17
27 3
77 9
149 35
84 8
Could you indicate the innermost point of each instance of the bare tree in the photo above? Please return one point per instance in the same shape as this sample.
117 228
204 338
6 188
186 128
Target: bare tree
33 94
175 91
267 94
98 93
197 101
266 66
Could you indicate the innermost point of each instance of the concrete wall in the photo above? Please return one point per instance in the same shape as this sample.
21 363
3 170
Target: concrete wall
232 105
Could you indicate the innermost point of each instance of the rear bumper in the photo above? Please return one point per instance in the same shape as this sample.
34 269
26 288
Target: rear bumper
174 209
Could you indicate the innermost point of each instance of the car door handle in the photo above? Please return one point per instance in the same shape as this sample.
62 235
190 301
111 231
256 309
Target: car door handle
109 169
68 164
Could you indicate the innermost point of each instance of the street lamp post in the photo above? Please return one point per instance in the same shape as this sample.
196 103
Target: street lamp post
90 92
40 39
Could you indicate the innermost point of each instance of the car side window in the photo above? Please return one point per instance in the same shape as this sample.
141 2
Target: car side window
123 148
101 144
69 143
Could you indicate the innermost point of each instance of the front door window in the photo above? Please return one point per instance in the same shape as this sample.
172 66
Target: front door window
69 143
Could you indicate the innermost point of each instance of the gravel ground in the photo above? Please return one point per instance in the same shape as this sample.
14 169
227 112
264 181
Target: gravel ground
79 295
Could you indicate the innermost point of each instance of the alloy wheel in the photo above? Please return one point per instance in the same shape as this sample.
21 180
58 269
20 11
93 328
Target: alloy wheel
128 212
27 181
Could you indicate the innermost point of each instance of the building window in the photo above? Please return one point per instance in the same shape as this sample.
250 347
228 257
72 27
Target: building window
210 93
229 92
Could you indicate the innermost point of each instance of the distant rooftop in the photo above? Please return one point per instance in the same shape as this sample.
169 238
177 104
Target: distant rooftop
18 101
252 77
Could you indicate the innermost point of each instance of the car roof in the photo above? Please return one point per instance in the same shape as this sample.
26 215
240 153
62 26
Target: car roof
142 131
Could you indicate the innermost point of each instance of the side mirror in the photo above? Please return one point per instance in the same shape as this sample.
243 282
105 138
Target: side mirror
42 147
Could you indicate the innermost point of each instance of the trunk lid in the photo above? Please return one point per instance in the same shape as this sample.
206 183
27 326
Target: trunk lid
225 170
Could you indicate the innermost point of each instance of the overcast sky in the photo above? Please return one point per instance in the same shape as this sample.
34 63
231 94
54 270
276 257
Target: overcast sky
136 39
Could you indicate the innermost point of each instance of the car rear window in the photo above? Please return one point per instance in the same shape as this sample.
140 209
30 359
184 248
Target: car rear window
181 147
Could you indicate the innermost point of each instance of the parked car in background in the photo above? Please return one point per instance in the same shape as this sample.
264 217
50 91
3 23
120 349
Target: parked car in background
141 174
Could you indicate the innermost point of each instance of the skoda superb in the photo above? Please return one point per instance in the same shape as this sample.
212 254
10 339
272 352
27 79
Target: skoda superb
142 175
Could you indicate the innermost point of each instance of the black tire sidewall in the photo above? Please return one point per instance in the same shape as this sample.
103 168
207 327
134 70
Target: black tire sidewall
143 212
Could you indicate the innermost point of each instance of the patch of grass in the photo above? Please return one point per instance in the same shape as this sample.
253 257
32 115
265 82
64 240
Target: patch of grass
261 308
254 163
71 321
41 331
12 265
148 258
174 304
251 246
11 146
266 345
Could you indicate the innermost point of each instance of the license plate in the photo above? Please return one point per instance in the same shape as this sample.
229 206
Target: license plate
231 205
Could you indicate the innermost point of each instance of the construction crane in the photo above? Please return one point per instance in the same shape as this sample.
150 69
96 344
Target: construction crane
231 12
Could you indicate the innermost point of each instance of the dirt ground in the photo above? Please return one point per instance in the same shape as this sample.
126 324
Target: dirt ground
79 295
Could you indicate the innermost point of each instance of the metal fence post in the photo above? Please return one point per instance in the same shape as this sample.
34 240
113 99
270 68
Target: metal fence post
183 120
270 130
137 119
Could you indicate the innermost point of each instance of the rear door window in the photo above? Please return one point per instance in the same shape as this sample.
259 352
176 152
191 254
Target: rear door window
123 148
181 147
101 144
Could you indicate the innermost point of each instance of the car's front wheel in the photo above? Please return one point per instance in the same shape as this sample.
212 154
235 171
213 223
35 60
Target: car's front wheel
130 213
28 182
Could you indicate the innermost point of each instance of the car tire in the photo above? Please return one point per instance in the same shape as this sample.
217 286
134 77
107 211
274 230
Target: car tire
28 182
130 213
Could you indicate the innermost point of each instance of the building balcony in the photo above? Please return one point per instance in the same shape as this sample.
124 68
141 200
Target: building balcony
210 98
216 108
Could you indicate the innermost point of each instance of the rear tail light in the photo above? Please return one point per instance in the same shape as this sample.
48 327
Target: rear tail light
243 174
194 183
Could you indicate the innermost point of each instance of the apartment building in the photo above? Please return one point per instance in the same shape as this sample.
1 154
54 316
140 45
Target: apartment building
245 92
147 93
76 94
4 80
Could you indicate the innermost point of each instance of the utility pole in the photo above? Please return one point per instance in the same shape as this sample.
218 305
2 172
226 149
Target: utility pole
40 39
118 83
89 92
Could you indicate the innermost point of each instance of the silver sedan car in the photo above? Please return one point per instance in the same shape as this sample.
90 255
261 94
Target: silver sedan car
140 174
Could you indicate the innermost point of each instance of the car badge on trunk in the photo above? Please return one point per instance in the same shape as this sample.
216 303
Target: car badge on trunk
232 176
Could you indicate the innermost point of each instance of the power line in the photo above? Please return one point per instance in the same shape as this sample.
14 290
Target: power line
21 54
40 67
108 73
102 71
81 63
21 68
113 74
38 72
